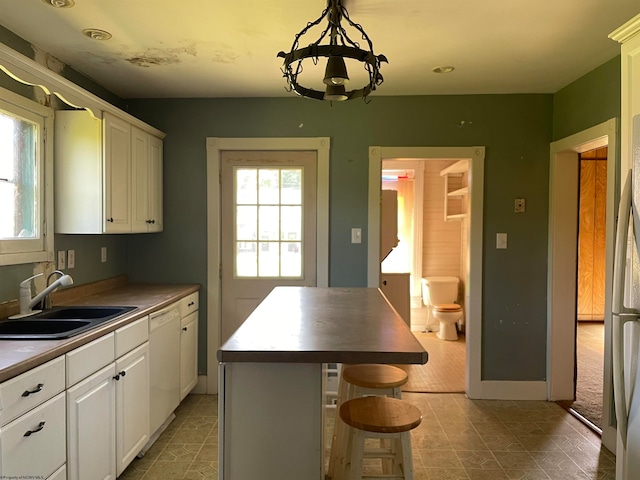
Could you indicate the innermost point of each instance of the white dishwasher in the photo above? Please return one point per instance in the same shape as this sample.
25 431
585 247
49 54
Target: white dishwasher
164 364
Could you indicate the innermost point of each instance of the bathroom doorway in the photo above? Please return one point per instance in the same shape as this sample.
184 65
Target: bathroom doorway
430 243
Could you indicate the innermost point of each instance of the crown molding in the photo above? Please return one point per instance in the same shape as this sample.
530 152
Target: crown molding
27 71
626 31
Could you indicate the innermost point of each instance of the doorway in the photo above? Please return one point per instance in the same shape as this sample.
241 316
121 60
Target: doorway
562 266
215 149
474 386
590 304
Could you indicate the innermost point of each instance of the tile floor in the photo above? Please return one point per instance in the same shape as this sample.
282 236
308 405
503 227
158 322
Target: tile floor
458 439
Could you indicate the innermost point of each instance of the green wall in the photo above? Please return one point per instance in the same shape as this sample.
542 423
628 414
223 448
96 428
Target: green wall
515 129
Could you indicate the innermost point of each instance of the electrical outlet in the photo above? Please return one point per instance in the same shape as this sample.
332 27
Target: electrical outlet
103 254
519 205
62 260
501 240
71 258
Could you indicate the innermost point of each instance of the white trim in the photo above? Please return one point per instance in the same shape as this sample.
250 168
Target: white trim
214 148
28 71
475 387
562 269
626 31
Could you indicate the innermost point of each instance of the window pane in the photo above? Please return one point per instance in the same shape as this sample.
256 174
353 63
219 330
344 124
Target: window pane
246 223
291 223
269 186
246 186
269 222
291 187
246 259
291 262
269 259
18 178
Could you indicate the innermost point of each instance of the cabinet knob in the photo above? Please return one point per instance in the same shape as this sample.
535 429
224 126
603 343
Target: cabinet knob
29 432
119 374
26 393
110 219
384 282
191 304
184 329
152 221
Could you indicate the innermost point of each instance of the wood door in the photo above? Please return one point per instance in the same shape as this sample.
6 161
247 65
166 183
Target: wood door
268 228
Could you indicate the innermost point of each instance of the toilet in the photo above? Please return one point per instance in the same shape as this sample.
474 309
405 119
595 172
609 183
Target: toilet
439 294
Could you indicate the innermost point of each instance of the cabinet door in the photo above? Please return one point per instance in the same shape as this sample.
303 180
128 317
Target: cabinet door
140 157
117 165
91 421
132 405
33 444
155 184
188 354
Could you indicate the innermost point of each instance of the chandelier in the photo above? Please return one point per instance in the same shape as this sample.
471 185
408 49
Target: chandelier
337 47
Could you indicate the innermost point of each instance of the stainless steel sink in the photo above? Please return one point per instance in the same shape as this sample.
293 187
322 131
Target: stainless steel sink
59 322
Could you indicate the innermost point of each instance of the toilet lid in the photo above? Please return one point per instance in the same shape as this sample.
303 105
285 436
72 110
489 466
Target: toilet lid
447 307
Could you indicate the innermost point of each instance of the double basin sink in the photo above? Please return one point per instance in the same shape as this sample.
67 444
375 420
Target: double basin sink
59 322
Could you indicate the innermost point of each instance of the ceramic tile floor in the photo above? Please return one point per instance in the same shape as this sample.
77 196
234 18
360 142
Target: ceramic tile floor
458 439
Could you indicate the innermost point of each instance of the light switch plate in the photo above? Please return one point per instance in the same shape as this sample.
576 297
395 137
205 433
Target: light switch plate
71 258
62 260
103 254
356 235
501 240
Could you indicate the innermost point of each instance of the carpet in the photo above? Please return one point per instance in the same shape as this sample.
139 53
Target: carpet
589 386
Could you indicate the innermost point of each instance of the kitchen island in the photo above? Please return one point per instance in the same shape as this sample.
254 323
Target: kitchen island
271 403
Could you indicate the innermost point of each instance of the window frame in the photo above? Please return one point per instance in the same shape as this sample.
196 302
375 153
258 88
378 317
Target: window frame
41 249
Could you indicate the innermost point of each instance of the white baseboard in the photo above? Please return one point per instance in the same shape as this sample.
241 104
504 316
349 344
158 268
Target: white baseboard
507 390
201 386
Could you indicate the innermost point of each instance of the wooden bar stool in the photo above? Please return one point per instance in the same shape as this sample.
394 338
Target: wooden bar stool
357 381
384 418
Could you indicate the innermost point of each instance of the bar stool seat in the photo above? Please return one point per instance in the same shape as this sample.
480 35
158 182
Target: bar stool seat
356 381
379 417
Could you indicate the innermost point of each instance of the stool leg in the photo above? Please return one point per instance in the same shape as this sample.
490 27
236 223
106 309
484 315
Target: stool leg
406 455
336 458
356 454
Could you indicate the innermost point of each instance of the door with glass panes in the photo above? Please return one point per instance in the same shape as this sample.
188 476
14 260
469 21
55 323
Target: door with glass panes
268 228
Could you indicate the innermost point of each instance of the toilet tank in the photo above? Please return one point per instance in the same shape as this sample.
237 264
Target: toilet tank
437 290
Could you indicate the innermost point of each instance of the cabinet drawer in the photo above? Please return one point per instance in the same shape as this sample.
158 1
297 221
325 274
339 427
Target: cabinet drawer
189 304
26 391
34 445
132 335
89 358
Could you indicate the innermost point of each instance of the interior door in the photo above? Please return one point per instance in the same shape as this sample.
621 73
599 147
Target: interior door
268 228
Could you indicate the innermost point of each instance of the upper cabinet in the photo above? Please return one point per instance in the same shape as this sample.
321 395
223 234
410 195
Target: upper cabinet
108 175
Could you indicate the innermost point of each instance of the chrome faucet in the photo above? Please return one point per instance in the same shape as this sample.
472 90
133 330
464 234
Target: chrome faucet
27 303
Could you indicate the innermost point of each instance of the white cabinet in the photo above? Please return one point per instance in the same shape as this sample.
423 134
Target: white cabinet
33 422
108 410
395 287
188 344
188 354
132 405
146 169
108 175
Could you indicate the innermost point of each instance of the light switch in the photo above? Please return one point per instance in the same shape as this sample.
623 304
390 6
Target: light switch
501 240
71 258
62 260
103 254
356 235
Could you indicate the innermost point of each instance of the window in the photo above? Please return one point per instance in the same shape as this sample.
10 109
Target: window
268 235
25 181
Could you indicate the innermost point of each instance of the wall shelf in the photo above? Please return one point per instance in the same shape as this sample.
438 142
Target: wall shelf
456 190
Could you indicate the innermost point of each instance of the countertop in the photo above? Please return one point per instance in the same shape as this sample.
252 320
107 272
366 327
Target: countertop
18 356
324 325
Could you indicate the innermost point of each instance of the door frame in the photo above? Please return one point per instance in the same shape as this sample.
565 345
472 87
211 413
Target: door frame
475 387
562 262
216 145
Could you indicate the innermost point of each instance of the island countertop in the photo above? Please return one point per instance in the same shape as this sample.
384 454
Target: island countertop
324 325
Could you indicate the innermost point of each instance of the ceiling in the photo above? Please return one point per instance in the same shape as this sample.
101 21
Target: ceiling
216 48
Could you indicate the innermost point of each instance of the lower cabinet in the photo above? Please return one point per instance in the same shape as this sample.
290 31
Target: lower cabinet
188 354
108 412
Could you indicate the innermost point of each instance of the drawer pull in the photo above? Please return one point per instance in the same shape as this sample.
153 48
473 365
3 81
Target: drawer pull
191 304
26 393
119 374
29 432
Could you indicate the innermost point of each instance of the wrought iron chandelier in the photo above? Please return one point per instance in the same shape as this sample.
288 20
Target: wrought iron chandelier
339 47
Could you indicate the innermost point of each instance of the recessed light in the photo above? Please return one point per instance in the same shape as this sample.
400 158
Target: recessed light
443 69
96 34
60 3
